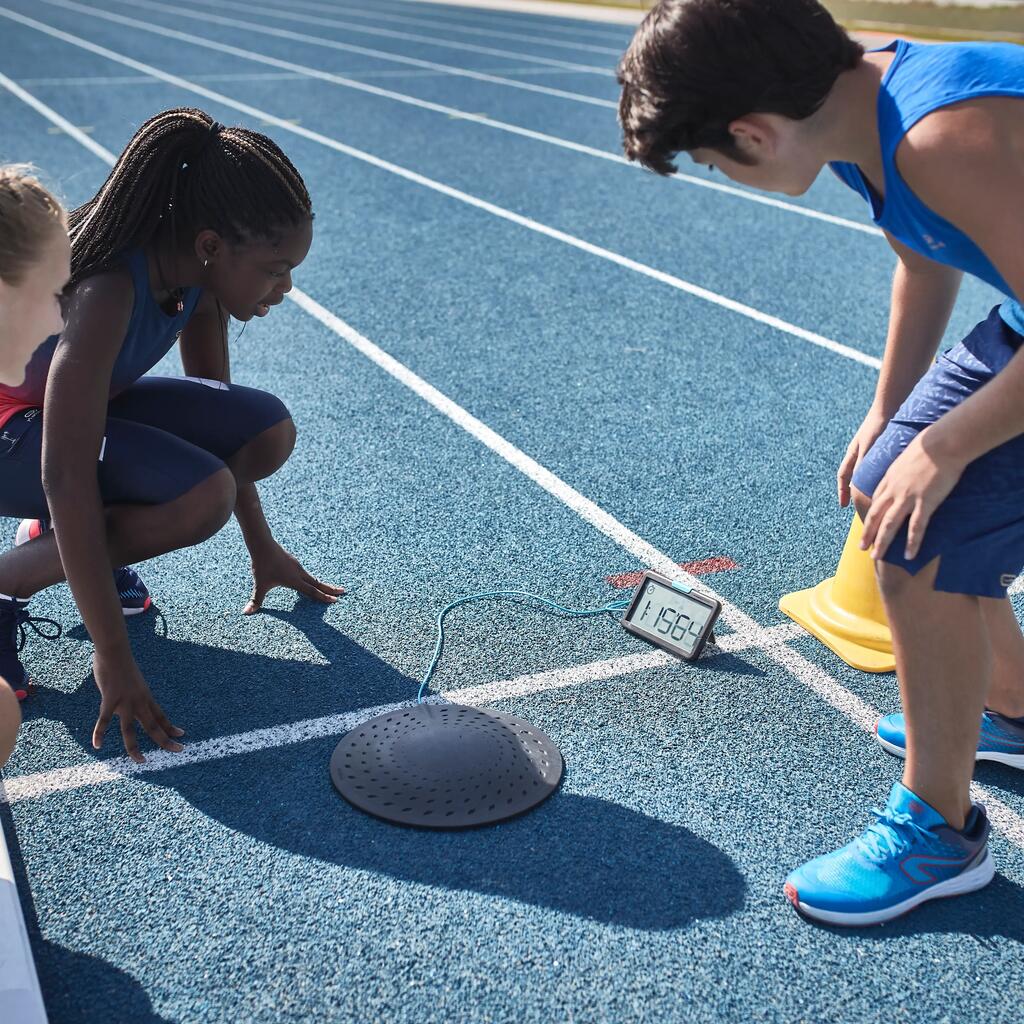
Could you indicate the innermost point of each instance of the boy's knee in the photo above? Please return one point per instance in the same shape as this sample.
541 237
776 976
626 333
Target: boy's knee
861 502
893 580
10 721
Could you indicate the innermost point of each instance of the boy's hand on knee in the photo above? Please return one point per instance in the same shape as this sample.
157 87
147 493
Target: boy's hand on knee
867 433
917 482
125 693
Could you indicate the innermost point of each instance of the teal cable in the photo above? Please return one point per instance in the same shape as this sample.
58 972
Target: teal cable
613 608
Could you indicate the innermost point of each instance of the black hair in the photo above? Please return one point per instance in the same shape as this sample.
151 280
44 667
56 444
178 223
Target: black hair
183 172
694 66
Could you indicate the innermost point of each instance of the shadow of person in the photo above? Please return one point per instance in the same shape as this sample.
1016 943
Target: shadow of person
582 855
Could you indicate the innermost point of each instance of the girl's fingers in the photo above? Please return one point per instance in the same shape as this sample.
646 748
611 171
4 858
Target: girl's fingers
100 729
131 743
316 595
327 588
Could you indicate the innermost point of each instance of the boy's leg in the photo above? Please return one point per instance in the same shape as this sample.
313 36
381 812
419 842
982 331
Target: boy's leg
943 662
1006 692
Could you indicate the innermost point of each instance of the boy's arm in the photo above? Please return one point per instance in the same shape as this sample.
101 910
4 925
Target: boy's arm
923 294
967 164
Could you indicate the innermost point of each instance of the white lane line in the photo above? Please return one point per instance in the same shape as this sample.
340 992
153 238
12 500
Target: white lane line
95 773
534 12
495 33
847 351
392 58
606 70
20 996
55 118
258 76
353 82
746 629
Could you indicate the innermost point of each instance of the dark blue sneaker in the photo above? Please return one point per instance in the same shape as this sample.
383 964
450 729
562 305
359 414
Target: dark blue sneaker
909 855
134 596
1001 739
14 617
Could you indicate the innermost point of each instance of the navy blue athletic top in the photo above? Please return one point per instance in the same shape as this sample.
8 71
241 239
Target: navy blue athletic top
923 78
150 336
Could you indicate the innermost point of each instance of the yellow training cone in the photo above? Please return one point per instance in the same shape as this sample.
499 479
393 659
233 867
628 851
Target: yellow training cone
845 612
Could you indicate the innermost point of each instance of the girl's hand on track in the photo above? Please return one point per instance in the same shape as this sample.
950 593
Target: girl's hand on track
272 567
125 693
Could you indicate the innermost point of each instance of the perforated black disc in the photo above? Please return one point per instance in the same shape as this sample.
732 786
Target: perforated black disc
445 766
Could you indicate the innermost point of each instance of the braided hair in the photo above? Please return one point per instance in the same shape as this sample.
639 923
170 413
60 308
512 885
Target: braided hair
183 172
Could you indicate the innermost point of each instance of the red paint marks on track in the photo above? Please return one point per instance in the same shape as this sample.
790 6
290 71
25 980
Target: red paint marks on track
628 580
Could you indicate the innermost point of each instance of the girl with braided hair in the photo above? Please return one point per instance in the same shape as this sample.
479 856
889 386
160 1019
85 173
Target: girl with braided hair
34 268
196 223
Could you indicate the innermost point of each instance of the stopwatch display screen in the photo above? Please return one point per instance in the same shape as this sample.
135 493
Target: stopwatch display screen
673 617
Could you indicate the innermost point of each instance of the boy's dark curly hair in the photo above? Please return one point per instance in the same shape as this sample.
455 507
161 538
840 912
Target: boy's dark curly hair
694 66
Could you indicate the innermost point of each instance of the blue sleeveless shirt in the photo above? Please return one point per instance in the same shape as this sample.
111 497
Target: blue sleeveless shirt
150 336
923 78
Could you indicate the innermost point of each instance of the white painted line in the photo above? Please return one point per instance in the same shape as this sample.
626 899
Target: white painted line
671 280
51 115
331 44
96 773
261 76
378 15
21 1000
350 82
607 70
746 630
552 9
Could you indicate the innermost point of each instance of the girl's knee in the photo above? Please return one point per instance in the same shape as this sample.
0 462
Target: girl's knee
266 453
209 505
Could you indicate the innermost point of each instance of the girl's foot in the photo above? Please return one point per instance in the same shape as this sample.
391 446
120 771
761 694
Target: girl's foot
132 591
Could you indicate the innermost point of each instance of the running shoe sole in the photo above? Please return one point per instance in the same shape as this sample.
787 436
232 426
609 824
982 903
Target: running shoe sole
967 881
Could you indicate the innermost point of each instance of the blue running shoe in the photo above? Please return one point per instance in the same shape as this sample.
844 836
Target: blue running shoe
134 596
909 855
1001 739
14 617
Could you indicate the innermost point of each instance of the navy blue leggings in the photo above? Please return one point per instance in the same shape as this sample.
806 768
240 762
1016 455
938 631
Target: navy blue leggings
163 436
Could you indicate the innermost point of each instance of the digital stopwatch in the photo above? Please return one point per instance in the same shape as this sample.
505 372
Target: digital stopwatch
672 616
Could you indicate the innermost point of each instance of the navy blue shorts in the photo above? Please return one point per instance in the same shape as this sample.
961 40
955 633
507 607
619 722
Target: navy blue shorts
163 436
978 531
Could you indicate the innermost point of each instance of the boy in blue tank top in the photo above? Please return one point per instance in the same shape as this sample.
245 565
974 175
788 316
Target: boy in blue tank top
769 92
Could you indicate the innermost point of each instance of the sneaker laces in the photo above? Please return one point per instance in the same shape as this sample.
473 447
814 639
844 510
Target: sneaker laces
35 622
891 835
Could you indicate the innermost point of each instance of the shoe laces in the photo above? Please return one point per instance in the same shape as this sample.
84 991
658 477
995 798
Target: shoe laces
35 623
892 834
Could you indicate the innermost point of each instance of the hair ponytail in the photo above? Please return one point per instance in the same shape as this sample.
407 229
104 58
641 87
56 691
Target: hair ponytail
182 172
